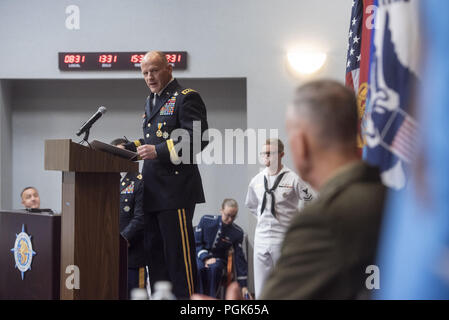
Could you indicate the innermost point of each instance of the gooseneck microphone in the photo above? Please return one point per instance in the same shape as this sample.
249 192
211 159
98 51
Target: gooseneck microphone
86 126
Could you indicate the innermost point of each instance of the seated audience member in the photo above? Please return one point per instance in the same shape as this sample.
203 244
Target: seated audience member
214 236
131 223
30 198
328 247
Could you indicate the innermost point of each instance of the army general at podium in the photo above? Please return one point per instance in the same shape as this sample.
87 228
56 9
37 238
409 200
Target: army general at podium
170 191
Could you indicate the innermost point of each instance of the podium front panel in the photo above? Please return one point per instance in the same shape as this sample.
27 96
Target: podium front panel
36 237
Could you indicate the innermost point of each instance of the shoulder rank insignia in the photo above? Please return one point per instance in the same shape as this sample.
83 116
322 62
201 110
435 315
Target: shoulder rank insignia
186 91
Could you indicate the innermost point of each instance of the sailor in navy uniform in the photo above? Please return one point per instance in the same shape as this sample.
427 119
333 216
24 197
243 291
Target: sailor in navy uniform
131 224
214 236
172 182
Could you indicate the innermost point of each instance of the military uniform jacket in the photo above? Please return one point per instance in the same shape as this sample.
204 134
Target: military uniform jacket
131 218
213 239
329 245
291 194
169 184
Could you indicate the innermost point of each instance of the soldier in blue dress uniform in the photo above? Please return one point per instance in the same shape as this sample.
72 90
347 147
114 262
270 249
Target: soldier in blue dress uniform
172 182
131 223
214 236
131 228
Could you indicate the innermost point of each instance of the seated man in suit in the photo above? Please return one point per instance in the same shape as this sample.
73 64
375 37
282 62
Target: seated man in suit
30 198
131 223
214 236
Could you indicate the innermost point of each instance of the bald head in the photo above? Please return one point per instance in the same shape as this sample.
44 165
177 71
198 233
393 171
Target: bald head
156 71
155 55
330 110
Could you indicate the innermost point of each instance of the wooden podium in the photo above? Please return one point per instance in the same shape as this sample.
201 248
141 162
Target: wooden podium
90 217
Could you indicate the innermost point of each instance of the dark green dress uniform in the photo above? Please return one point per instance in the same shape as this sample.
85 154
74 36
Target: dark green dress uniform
172 189
329 245
131 227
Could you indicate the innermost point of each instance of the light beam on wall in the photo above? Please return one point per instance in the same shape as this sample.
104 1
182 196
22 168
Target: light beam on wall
306 62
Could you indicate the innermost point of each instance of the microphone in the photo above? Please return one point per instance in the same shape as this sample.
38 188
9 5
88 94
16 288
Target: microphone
86 126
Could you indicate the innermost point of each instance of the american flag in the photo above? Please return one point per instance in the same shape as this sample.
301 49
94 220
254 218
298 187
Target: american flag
405 141
354 46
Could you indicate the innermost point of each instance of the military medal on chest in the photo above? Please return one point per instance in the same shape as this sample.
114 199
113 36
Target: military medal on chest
159 132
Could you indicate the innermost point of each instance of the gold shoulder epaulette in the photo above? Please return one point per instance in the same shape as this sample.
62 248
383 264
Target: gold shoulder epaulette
186 91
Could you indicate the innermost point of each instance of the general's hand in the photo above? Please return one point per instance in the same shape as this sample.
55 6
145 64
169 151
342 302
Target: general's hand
209 261
147 152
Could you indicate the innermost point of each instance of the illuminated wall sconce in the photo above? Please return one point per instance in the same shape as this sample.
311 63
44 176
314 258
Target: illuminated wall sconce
306 62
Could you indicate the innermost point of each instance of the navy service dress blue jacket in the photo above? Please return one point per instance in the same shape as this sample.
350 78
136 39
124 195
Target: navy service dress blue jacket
170 185
131 218
213 239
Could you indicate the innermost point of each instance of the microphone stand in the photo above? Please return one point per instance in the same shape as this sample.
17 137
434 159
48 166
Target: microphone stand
86 137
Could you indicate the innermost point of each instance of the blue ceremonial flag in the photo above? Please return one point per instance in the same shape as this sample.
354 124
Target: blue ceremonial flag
414 249
389 127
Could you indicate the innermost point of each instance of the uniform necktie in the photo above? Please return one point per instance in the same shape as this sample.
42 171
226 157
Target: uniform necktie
153 102
270 192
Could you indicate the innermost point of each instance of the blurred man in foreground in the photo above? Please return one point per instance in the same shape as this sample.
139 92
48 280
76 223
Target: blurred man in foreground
328 247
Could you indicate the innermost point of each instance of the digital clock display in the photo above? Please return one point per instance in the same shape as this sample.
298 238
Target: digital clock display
80 61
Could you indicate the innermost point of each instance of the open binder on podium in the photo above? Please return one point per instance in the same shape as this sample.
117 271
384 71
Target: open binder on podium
123 153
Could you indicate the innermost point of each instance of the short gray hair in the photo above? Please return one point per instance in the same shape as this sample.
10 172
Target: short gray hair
332 109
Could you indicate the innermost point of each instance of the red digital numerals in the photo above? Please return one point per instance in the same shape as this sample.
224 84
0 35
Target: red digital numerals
74 58
137 58
173 58
107 58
